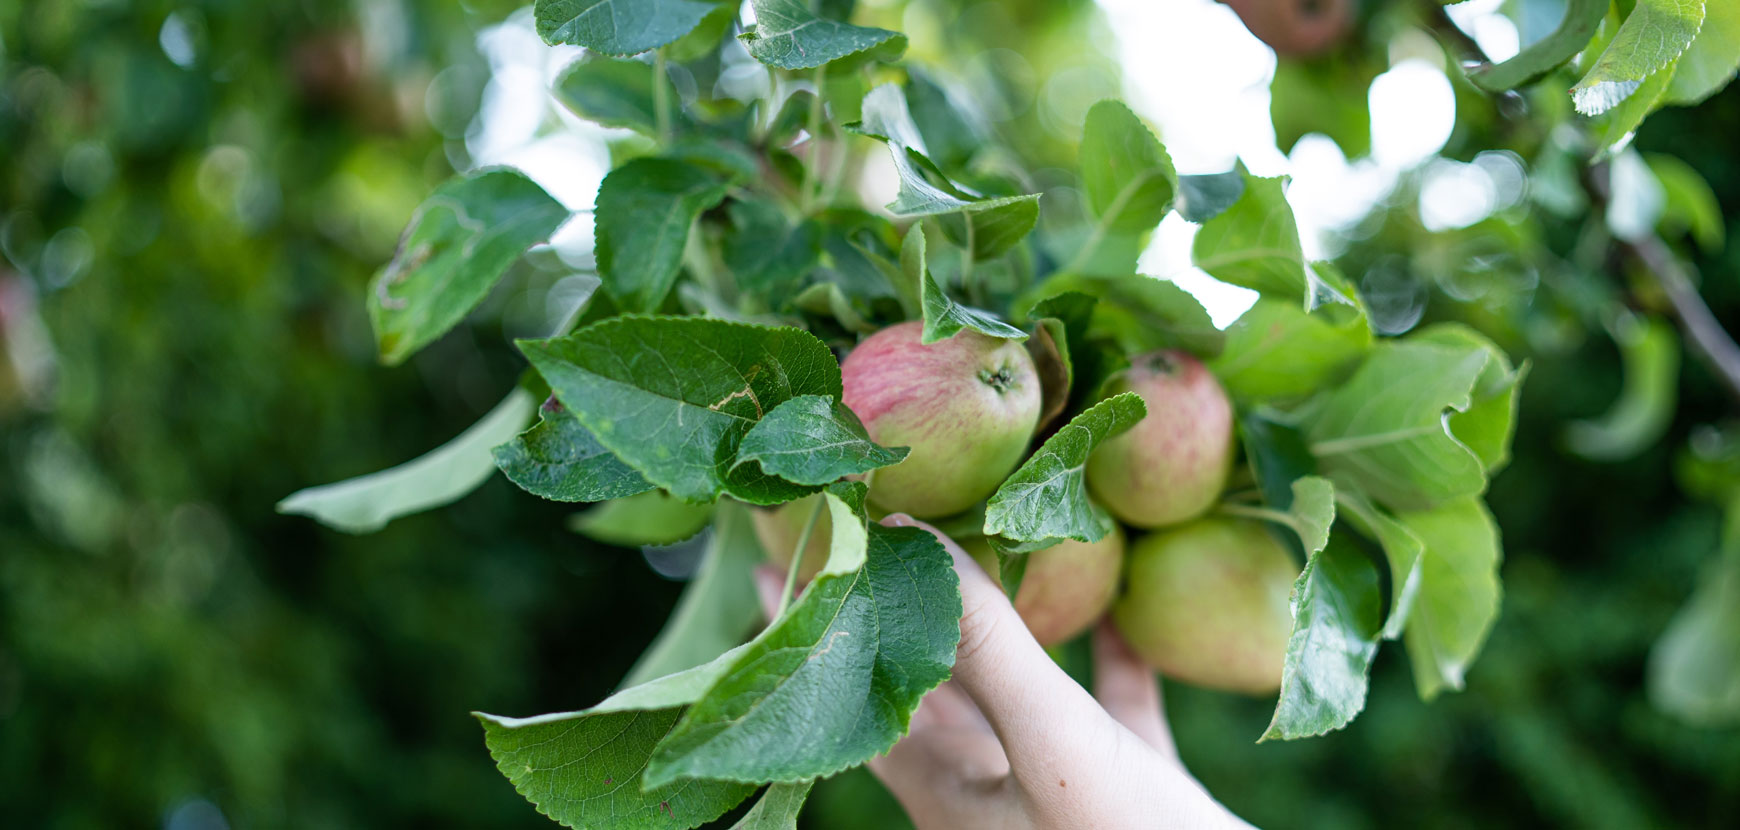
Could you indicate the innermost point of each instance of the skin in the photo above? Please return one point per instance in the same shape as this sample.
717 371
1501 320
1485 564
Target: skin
778 529
1013 743
1171 466
1207 603
1067 586
1296 28
966 406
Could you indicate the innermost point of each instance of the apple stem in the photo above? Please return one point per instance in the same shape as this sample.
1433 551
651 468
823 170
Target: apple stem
807 200
661 97
797 558
967 261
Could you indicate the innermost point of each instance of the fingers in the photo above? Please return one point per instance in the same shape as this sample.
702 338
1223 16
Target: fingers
1128 689
949 743
1039 713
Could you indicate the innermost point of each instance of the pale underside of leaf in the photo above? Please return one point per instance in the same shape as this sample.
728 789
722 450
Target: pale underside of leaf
1652 37
365 504
778 808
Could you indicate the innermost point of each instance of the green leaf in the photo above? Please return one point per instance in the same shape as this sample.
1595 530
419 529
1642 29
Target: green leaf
650 518
1691 204
1459 592
704 40
1126 175
717 611
1011 568
643 214
1650 352
850 520
995 224
952 138
1278 455
558 459
849 660
1711 61
767 254
618 27
1582 19
829 300
1329 96
366 503
789 35
586 768
673 396
1652 36
615 93
778 808
457 246
1312 510
1049 348
1336 602
1337 609
1402 550
1384 431
1142 313
1255 243
1614 127
793 118
812 439
1046 499
1277 351
991 226
1204 196
943 317
1068 364
1694 669
1489 422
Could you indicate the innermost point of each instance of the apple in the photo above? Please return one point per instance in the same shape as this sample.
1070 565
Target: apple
1171 466
1296 28
1208 603
1065 588
966 406
778 529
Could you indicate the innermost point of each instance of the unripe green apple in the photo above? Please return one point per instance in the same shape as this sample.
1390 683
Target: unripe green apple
778 530
1207 603
1171 466
1065 588
966 406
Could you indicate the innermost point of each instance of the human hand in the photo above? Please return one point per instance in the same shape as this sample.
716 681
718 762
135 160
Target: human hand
1013 742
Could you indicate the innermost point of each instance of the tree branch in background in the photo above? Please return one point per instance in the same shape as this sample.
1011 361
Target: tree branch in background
1696 321
1706 334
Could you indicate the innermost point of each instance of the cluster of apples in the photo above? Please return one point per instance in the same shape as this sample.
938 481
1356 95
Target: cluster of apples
1201 598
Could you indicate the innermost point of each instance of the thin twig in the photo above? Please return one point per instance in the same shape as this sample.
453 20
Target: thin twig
1708 338
1699 325
806 199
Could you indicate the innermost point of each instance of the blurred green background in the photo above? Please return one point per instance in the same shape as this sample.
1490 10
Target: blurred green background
193 196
